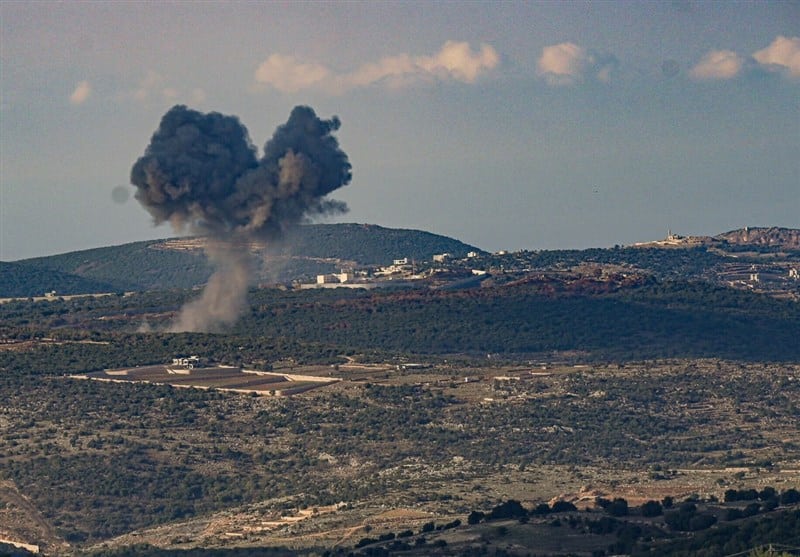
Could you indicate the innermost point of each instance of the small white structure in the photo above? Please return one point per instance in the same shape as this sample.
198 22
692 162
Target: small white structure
189 362
472 254
441 257
334 278
793 274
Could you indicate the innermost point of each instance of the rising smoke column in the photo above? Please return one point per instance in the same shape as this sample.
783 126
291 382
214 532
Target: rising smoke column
201 173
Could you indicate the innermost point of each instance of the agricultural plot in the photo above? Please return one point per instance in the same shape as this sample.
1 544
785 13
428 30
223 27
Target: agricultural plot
222 378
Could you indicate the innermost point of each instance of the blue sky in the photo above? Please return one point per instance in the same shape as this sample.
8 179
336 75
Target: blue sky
512 125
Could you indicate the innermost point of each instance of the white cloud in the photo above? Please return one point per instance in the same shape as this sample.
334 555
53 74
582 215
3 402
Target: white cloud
717 64
287 74
783 54
81 93
389 70
563 64
455 60
568 63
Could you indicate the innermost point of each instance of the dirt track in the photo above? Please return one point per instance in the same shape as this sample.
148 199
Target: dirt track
25 523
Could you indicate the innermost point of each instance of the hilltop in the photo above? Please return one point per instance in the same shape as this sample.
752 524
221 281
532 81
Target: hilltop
181 263
788 238
755 237
759 259
19 280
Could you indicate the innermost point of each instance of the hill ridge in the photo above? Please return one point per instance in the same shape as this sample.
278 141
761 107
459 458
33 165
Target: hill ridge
181 263
763 236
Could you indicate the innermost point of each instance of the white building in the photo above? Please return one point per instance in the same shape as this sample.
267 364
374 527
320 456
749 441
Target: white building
187 362
334 278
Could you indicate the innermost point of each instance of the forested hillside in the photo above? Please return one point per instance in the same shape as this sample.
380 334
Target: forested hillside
654 320
135 266
19 280
311 250
153 265
369 244
619 345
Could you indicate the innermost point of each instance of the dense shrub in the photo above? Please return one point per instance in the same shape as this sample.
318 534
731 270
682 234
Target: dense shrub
652 508
509 509
563 507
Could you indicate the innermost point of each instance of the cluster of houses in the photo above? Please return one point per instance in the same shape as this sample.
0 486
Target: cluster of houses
751 276
402 268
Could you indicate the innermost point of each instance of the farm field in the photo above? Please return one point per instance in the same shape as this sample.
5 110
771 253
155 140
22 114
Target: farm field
223 378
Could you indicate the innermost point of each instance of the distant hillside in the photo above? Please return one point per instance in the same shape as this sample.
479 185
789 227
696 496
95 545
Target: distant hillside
656 320
135 266
788 238
159 264
19 280
369 244
325 248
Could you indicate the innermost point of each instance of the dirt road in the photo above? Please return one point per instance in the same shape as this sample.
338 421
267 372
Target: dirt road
24 519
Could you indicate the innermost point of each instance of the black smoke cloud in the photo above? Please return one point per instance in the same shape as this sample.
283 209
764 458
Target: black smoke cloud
201 172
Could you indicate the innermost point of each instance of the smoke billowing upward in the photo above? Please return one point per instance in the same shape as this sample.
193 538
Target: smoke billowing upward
201 173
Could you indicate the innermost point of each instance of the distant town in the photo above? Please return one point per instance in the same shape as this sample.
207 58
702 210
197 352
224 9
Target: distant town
771 272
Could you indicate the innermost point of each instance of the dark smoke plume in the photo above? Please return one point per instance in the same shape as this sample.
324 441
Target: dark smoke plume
201 173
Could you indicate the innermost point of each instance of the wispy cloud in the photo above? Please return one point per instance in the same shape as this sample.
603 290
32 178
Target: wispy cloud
568 63
717 64
454 61
153 87
81 93
783 54
197 96
287 74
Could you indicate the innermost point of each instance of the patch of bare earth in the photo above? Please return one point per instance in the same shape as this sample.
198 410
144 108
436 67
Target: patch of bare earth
22 524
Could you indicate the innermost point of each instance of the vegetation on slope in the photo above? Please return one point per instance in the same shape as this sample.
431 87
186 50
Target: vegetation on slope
662 320
147 266
369 244
527 320
135 266
19 280
100 459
